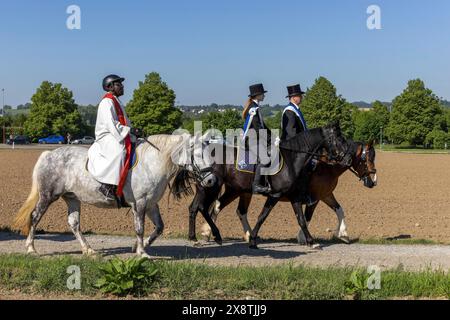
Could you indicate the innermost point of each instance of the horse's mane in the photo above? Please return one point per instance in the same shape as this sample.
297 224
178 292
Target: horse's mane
165 142
301 141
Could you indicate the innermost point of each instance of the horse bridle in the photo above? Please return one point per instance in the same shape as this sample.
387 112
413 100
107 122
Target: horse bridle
197 172
363 158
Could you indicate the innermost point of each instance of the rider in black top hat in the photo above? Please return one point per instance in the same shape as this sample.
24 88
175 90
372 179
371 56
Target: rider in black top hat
293 123
254 120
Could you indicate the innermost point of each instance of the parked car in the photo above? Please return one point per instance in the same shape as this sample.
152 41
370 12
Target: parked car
84 140
53 139
19 140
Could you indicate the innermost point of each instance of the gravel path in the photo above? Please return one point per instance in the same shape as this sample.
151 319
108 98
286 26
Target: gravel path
233 253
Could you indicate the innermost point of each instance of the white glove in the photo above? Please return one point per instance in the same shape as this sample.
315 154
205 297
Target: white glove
277 141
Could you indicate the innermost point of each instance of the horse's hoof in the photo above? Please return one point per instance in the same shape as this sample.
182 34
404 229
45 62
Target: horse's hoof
315 246
32 252
253 246
145 256
90 252
218 241
344 239
134 248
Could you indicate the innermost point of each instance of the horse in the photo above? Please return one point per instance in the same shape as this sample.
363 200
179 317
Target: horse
62 173
285 184
323 181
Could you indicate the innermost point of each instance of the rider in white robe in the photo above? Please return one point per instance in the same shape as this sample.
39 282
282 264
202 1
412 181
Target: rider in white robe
107 154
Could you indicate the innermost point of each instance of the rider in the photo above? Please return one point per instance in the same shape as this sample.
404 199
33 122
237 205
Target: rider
293 123
254 120
109 156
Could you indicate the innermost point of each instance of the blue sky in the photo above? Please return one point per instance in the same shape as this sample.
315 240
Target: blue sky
210 51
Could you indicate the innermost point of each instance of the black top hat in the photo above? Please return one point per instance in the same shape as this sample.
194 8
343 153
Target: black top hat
256 90
294 90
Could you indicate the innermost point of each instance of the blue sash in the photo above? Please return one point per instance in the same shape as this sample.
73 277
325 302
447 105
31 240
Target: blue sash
297 111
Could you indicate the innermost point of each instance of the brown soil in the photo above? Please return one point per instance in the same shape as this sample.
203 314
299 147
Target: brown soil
411 199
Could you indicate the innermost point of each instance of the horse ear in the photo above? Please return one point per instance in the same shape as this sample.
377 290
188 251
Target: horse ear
370 144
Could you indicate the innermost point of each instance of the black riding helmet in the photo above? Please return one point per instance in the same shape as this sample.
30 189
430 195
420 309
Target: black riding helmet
108 80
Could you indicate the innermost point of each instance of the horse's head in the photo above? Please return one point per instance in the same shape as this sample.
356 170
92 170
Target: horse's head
191 158
364 164
336 145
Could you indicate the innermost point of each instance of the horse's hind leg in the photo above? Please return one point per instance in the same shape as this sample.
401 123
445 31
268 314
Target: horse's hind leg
193 210
74 209
309 211
268 206
41 207
224 200
241 211
297 206
155 216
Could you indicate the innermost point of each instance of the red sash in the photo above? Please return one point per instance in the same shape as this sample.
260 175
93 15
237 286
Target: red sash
126 166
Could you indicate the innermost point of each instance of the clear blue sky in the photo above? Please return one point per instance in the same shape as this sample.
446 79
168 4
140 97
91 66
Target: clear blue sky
210 51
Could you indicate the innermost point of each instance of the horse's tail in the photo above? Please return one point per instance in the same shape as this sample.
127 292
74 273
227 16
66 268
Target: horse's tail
181 185
22 220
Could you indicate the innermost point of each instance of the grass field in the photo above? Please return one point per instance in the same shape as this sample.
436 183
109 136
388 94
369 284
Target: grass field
184 280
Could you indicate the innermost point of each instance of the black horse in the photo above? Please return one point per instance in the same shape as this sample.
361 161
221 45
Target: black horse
322 182
296 153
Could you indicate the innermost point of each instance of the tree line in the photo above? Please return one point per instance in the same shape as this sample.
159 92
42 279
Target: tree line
416 117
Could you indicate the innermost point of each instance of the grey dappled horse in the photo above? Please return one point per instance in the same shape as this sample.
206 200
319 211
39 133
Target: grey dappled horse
62 173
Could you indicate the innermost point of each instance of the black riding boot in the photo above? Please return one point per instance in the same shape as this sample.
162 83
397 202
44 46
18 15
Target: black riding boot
307 197
257 187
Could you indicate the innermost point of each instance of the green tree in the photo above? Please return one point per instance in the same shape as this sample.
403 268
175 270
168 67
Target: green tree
274 122
322 105
222 121
368 124
53 111
153 106
415 113
438 138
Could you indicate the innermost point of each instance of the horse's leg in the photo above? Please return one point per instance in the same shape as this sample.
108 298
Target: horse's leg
224 200
336 207
204 209
139 220
309 211
155 216
41 207
297 206
241 211
193 210
74 209
268 206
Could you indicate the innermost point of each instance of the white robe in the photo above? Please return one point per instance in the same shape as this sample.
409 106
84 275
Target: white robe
107 154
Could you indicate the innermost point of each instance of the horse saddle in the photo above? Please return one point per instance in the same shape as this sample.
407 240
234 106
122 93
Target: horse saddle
247 159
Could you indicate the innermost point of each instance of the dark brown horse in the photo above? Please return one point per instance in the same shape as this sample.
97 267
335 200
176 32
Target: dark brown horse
296 153
322 183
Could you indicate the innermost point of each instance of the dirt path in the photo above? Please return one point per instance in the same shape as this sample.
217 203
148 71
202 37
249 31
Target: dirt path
412 200
233 253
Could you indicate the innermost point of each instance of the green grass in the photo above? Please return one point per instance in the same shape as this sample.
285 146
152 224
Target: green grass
185 280
411 149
